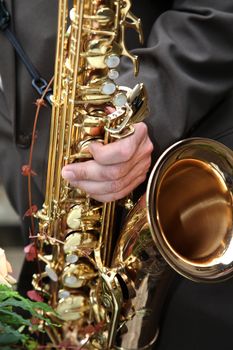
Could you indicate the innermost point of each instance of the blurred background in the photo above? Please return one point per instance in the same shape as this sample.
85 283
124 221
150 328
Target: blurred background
10 235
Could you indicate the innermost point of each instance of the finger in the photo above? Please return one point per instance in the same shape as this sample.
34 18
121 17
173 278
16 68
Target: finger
122 150
119 195
91 170
115 186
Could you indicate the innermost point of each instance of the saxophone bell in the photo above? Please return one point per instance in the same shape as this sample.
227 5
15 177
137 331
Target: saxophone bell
190 208
184 221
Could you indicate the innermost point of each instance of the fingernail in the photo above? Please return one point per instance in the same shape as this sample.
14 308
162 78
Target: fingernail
68 175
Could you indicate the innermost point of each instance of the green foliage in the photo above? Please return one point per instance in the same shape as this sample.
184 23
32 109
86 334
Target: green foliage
14 327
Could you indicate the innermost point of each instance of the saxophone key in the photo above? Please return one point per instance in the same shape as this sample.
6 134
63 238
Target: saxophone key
108 88
112 61
73 307
71 258
105 16
78 275
63 294
135 23
74 217
51 273
80 240
113 74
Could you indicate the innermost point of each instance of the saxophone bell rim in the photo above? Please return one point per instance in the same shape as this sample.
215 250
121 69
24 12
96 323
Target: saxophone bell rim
220 266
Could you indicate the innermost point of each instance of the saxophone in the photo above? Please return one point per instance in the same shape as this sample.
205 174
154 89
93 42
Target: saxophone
110 298
75 236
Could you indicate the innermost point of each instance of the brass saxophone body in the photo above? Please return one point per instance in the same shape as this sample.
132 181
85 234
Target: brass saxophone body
75 232
110 300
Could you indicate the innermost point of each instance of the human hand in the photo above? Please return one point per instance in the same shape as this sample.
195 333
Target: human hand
116 168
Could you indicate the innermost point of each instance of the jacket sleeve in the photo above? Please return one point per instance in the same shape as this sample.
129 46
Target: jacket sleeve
187 66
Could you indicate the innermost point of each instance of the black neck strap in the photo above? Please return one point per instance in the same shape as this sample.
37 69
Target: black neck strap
38 83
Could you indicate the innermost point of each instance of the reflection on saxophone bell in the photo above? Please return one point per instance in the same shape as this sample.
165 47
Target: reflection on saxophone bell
184 221
107 297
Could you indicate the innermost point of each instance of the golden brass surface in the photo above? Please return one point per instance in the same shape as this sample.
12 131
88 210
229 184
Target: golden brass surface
78 240
73 308
191 184
198 217
75 232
